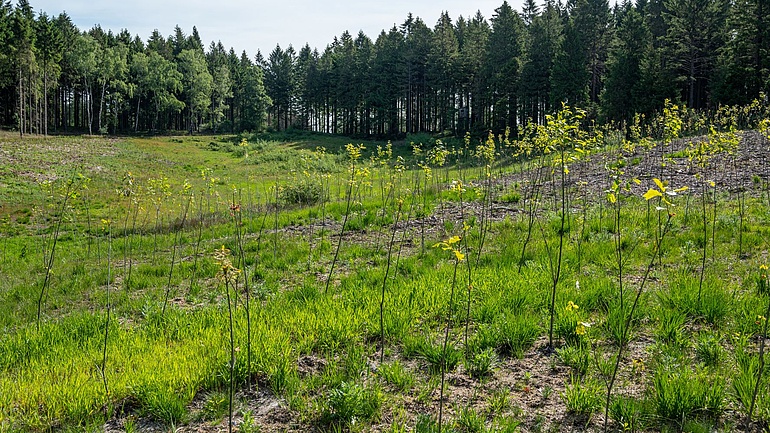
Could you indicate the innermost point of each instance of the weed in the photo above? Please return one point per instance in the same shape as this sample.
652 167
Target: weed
577 357
513 334
582 397
216 406
499 402
350 402
303 193
629 413
470 421
670 328
681 394
480 364
708 349
397 375
441 358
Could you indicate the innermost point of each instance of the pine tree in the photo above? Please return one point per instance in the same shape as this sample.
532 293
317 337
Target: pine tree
624 71
544 38
24 57
743 64
504 59
254 99
7 99
695 31
570 77
442 68
472 80
280 82
417 45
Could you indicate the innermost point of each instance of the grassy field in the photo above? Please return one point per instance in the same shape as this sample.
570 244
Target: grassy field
298 283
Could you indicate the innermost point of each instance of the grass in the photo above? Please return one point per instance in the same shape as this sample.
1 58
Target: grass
161 364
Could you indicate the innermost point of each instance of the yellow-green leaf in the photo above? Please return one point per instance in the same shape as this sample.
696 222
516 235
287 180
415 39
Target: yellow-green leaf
660 184
460 256
652 193
611 197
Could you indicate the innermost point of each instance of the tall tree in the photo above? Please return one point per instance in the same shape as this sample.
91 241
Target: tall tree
545 35
197 84
695 32
743 64
570 77
112 68
84 59
280 80
620 97
24 55
443 61
472 79
254 99
417 45
6 63
158 81
504 61
594 21
221 92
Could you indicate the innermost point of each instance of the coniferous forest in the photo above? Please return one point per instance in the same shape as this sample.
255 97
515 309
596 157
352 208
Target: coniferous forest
555 218
447 76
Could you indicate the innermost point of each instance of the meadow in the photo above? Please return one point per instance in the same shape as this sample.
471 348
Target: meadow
579 278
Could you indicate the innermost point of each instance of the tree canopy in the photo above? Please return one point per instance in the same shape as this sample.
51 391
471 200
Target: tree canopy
458 75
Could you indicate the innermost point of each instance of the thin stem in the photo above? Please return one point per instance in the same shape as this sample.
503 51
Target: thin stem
446 344
384 285
173 255
627 324
342 230
109 308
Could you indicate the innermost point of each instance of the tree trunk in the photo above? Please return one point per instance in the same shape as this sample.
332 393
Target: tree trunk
21 106
136 121
89 107
45 101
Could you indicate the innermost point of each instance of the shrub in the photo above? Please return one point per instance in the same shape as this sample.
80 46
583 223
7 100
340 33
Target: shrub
302 193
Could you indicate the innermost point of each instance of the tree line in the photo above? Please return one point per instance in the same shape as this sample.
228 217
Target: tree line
468 74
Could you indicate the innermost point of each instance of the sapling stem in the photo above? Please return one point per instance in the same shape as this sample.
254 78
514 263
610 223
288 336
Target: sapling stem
446 345
344 224
109 308
177 236
68 192
627 322
761 368
385 283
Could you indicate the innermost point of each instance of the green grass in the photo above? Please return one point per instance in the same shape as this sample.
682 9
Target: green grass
158 364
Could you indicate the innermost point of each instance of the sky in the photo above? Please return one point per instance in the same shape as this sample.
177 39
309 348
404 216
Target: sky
260 24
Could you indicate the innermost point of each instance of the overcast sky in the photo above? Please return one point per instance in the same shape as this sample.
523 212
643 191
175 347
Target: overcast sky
252 25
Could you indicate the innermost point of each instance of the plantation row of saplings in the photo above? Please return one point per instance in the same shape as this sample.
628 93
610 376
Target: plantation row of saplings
374 292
